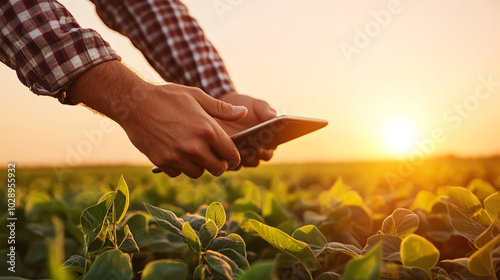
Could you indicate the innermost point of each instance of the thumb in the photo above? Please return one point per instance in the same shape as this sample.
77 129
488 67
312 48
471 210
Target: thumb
264 111
221 110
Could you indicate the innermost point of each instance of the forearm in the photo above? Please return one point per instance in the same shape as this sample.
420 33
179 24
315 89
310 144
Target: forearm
171 40
107 88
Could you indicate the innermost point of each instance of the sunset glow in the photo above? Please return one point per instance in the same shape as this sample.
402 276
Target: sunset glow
399 136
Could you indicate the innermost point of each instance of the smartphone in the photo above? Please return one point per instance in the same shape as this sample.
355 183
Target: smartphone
273 132
277 131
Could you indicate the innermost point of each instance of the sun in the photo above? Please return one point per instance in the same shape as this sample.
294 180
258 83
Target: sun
399 136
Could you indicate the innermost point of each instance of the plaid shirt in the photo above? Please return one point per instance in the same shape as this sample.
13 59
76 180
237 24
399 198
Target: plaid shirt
42 41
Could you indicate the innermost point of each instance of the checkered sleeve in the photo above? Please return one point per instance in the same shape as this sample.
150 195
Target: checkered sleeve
170 39
42 41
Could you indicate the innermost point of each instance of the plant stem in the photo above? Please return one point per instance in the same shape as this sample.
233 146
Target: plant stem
85 268
114 227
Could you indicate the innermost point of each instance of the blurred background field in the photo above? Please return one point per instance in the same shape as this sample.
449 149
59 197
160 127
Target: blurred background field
298 189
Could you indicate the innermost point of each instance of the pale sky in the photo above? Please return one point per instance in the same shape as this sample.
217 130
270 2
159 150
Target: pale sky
415 66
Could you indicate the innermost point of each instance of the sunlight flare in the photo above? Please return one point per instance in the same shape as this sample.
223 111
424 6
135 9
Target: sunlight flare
399 136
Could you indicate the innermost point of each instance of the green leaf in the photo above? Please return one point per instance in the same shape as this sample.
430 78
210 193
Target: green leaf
338 188
121 200
401 223
328 276
128 244
38 203
391 245
216 213
287 244
74 263
487 235
221 264
251 201
413 273
92 220
99 242
425 200
178 211
492 205
232 241
468 226
166 219
462 262
198 272
192 238
366 267
310 235
241 246
261 270
464 199
287 226
417 251
347 249
481 188
236 257
207 233
481 263
165 269
112 264
195 220
245 225
137 222
272 210
109 197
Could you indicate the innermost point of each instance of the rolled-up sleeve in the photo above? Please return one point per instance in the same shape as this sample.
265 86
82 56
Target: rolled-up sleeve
42 41
170 39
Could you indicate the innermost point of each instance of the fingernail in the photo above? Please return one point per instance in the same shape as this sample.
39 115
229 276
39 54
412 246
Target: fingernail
233 164
239 109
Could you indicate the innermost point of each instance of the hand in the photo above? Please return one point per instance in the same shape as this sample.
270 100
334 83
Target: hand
172 125
258 111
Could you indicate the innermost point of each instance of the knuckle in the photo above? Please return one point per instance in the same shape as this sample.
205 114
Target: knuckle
222 106
261 103
195 91
192 149
169 159
207 132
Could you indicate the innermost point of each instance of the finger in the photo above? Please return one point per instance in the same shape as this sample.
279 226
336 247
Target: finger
225 148
170 171
219 109
191 169
265 154
207 159
249 158
235 168
264 111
